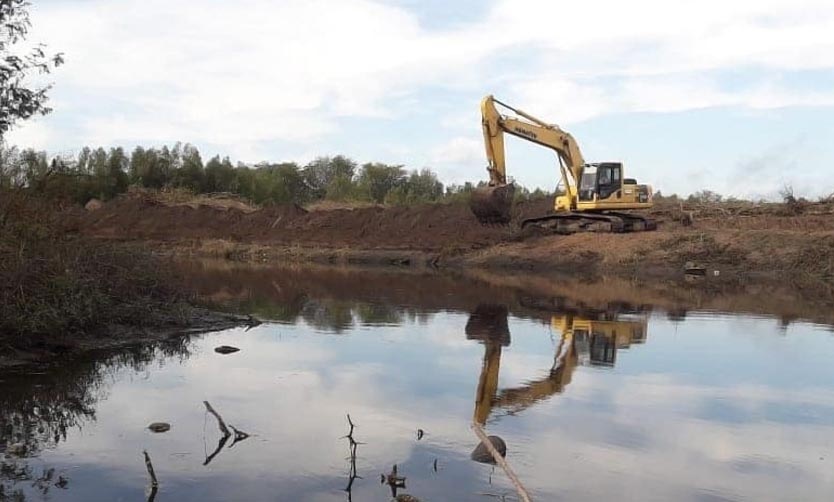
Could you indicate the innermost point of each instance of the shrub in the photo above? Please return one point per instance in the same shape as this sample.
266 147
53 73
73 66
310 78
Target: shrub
52 284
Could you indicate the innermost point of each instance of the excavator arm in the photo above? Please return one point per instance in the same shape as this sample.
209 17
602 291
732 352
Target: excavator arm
487 201
529 128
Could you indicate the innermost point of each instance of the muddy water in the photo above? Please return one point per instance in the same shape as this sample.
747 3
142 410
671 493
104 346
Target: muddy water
596 400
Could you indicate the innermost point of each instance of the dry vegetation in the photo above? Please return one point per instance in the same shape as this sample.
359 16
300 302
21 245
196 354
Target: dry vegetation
54 285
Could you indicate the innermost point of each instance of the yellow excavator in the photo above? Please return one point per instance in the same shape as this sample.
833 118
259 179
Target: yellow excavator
594 194
584 341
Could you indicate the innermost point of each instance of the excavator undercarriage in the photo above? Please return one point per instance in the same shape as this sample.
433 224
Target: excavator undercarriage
609 221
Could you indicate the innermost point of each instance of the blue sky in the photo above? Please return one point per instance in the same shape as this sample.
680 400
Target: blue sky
737 97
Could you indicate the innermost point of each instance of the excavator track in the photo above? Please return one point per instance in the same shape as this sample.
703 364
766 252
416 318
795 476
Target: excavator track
610 221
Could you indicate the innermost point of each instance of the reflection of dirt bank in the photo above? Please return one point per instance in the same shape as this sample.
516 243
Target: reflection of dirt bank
321 294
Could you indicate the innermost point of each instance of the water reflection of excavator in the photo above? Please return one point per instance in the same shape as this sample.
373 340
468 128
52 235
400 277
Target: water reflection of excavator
582 342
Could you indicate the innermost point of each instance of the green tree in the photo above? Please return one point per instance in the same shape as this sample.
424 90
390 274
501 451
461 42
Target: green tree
322 172
35 168
150 168
220 175
190 172
117 164
82 162
278 183
423 186
377 179
21 99
705 197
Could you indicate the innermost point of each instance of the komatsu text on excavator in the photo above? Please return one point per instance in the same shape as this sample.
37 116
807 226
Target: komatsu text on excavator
593 193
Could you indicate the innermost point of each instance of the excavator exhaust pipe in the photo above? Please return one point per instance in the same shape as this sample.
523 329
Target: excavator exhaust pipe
493 204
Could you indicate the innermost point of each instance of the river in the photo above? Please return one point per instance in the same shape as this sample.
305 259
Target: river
596 398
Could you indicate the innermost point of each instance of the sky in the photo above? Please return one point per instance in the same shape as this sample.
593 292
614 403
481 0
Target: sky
733 96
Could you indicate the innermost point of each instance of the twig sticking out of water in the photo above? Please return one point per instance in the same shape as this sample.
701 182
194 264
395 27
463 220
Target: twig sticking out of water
154 482
352 444
149 465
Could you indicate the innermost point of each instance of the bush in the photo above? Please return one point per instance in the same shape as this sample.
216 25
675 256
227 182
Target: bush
54 285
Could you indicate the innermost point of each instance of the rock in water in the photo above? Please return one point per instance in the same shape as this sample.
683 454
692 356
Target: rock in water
160 427
404 497
226 349
481 453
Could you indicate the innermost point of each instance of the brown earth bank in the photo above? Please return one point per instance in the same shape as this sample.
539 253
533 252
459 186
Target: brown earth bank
732 241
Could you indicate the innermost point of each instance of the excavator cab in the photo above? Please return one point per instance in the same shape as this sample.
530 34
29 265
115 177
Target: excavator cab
602 180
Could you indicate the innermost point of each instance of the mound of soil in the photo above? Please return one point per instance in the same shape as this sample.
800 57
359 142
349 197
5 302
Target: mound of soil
429 227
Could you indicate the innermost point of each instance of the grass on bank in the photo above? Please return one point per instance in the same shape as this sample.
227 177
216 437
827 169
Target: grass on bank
53 284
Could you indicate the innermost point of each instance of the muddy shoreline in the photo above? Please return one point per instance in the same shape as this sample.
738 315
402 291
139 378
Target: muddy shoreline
228 289
49 350
755 241
752 255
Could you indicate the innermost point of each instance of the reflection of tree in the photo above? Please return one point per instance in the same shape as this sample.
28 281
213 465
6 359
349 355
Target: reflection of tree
326 315
37 410
378 313
267 309
41 482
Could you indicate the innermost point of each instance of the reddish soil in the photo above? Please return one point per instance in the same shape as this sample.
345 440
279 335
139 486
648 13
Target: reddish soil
430 227
727 240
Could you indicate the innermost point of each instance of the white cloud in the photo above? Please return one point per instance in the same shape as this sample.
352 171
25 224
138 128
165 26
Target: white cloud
460 149
250 77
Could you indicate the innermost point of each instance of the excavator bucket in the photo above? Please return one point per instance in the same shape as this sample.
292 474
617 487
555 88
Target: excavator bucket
493 204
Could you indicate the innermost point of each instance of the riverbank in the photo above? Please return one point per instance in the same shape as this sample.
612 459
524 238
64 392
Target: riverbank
74 280
61 294
730 242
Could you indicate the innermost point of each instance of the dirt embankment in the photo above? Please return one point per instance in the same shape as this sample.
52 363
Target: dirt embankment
431 227
761 240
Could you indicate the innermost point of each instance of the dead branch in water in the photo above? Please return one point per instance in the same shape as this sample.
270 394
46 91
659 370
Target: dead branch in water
149 465
225 433
220 423
154 482
522 492
352 444
220 445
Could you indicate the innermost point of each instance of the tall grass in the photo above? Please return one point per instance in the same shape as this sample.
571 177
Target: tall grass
55 284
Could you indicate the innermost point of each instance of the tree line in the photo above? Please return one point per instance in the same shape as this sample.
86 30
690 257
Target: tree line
105 173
